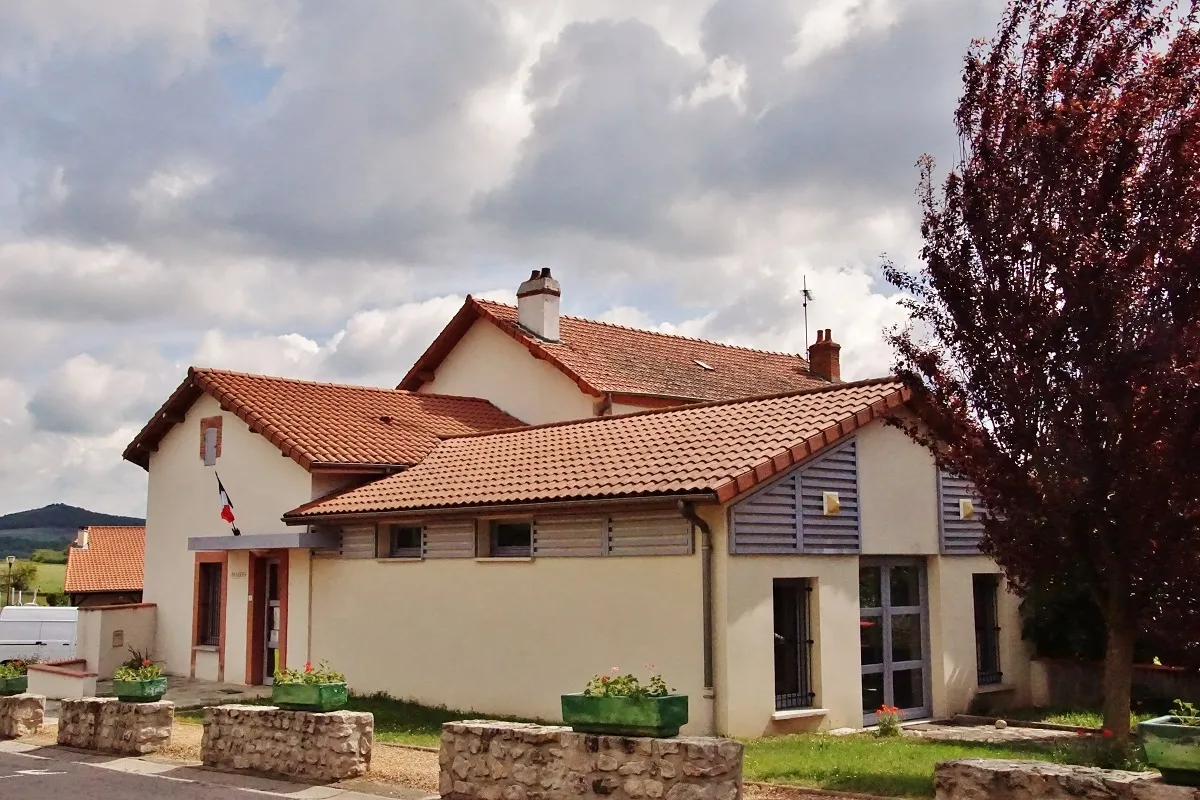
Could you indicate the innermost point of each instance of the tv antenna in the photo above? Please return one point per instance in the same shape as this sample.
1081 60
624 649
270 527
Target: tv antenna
807 295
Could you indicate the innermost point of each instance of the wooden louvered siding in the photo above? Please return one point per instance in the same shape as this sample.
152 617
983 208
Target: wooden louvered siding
959 536
651 533
768 522
570 536
835 472
452 539
358 541
786 517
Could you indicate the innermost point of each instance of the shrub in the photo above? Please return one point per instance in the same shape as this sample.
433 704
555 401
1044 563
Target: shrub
888 721
618 685
145 671
309 675
16 668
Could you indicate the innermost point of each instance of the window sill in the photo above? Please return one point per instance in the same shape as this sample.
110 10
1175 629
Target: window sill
993 688
206 648
502 559
400 560
799 713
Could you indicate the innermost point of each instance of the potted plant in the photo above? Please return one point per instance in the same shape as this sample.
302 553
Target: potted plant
14 676
619 705
139 680
1172 744
319 689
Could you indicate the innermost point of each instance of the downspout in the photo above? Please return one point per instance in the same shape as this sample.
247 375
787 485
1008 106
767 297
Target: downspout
688 510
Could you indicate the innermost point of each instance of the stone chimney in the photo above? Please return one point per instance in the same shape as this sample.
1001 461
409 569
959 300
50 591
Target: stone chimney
824 357
537 305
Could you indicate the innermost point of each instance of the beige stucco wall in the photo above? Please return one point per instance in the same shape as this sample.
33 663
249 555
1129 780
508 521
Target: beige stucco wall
182 502
56 686
898 517
489 363
96 630
897 493
509 637
952 636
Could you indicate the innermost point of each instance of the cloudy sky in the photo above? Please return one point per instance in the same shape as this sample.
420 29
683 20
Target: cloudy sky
310 188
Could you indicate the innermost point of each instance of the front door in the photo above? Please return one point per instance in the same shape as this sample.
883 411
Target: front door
272 622
893 632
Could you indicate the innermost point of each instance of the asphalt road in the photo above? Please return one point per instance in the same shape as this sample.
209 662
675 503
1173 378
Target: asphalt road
56 774
23 777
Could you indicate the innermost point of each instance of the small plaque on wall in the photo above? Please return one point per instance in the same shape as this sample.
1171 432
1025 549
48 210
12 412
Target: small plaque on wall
118 638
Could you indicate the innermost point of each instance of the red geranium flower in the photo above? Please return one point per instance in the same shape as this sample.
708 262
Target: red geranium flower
145 662
308 666
1107 733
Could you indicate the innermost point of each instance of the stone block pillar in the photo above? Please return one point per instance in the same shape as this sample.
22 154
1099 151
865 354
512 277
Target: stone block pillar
321 748
107 725
484 760
996 779
21 715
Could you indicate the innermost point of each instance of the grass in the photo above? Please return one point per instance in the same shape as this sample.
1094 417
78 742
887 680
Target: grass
50 578
902 767
1071 717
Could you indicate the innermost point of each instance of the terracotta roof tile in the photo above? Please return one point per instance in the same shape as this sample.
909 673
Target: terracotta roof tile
722 448
326 423
605 358
112 562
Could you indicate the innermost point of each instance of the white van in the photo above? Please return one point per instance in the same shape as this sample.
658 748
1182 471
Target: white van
46 633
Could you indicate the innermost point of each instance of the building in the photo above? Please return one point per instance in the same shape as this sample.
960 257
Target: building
105 566
760 533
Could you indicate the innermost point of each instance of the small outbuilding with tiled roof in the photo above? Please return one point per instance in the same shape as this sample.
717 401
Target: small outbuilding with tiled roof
105 566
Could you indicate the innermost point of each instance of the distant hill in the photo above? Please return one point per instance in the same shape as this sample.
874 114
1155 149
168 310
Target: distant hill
53 527
60 515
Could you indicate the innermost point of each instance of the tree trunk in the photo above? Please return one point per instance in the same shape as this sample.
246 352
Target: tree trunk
1118 666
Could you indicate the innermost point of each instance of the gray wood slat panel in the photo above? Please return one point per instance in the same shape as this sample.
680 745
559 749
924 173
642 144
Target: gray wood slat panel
959 536
454 539
570 536
358 541
766 522
788 516
649 534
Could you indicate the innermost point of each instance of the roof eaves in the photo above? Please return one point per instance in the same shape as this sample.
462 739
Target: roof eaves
147 439
440 347
255 420
742 484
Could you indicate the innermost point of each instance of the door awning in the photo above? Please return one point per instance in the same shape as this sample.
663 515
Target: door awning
266 541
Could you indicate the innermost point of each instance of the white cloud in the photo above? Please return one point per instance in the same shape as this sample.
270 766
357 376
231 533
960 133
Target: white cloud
309 189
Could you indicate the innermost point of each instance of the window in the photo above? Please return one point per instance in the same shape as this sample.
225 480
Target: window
404 541
987 628
510 539
793 645
208 604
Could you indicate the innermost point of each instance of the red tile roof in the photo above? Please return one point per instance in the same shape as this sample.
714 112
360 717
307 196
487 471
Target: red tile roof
722 448
112 562
324 423
603 358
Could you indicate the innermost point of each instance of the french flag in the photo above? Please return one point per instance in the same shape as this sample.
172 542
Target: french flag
226 507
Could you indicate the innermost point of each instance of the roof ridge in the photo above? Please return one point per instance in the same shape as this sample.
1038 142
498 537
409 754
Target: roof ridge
681 337
680 408
306 382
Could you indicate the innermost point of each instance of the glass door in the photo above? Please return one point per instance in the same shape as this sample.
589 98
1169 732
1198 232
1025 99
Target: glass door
893 635
271 623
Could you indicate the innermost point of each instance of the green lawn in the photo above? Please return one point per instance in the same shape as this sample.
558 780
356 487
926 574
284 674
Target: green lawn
50 578
1071 717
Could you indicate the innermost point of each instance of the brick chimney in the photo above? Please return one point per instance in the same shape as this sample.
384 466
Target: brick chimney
824 357
537 305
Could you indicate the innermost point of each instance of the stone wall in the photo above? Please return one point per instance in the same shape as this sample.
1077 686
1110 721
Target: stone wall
107 725
289 744
987 779
483 760
21 715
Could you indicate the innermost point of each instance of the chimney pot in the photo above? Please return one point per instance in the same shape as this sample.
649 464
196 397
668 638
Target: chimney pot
824 357
538 301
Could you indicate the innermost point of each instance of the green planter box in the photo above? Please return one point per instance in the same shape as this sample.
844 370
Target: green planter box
150 691
626 716
1173 749
310 696
11 686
